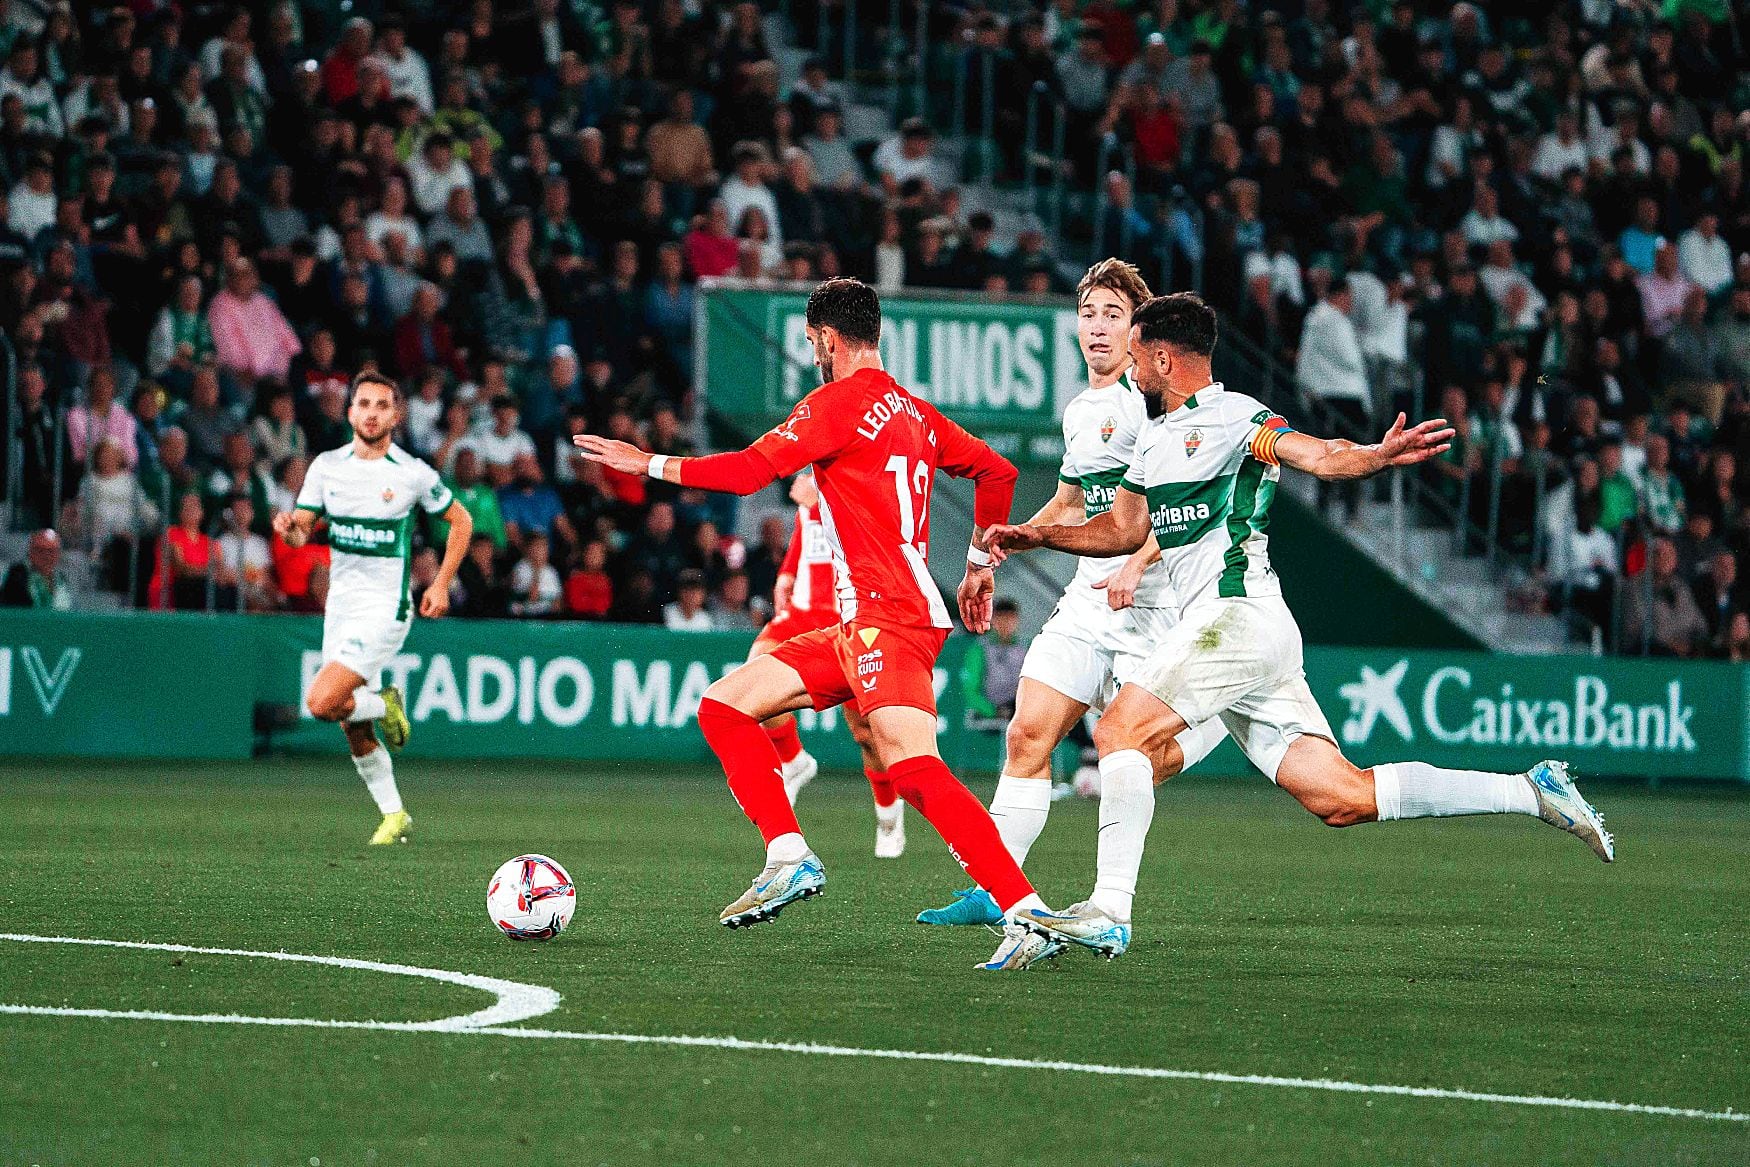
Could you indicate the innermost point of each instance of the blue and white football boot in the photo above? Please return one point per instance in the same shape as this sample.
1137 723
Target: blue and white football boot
972 905
1082 924
1021 949
1559 804
776 887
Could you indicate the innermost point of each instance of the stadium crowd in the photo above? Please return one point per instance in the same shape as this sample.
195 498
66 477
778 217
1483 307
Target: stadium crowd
1530 218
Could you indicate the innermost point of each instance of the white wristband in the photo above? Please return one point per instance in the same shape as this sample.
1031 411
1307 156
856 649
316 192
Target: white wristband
979 557
657 463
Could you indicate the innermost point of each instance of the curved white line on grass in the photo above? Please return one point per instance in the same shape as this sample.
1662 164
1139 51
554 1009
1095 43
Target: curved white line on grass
516 1001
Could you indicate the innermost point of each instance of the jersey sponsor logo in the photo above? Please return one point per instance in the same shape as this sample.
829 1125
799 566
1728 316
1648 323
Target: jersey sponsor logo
365 536
1108 428
1167 519
869 665
1193 441
887 407
1100 490
868 635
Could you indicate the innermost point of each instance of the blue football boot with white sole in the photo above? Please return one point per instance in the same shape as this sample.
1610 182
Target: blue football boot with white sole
1082 924
1559 804
1021 949
972 905
775 888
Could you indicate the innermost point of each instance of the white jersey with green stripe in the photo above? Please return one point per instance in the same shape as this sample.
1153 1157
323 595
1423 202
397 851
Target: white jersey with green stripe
369 504
1208 470
1100 428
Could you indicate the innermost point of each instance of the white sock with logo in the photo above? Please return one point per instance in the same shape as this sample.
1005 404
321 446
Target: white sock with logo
789 847
1127 807
379 775
1196 741
1416 790
892 816
1019 809
367 705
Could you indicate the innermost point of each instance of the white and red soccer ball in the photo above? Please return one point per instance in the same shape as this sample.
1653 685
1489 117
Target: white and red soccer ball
531 897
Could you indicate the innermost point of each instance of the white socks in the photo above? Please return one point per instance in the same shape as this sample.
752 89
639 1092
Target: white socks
1019 809
367 705
786 848
379 775
1029 902
1415 790
1196 741
1127 807
890 817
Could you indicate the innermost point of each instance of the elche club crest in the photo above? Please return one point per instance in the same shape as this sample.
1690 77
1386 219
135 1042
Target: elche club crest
1108 428
1193 440
388 494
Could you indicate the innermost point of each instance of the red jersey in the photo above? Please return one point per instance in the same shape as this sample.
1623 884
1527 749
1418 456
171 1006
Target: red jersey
810 561
875 450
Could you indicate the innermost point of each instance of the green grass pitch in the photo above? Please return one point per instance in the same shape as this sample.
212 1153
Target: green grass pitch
1484 955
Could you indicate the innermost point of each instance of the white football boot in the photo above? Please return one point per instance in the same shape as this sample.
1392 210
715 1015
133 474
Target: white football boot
1559 804
1021 949
774 888
890 831
1082 924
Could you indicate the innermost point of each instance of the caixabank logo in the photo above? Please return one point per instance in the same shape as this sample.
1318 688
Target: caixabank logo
1456 706
47 683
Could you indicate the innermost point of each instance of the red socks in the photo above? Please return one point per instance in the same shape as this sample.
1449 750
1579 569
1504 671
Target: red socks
752 767
881 786
784 737
964 825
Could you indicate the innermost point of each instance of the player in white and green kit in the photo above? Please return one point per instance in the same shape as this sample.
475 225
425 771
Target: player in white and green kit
1114 609
1204 475
369 493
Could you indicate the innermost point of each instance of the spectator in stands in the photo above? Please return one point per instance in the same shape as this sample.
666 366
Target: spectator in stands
1332 368
181 338
687 612
1659 613
1661 492
1720 600
710 248
1663 292
731 608
206 421
275 432
423 339
1704 258
251 338
658 549
244 557
909 156
459 227
38 582
182 577
1591 560
102 419
589 590
503 442
990 672
1617 498
535 589
530 507
486 593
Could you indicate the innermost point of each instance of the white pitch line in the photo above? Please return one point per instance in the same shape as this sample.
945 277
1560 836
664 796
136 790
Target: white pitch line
516 1001
549 1000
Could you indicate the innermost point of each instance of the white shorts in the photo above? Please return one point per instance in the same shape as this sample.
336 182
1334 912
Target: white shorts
364 644
1086 650
1238 659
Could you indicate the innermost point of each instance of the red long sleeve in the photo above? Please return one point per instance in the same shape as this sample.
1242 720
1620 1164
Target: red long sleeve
793 556
993 476
739 472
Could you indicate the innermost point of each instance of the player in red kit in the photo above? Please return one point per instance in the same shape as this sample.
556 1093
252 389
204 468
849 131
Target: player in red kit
805 599
875 449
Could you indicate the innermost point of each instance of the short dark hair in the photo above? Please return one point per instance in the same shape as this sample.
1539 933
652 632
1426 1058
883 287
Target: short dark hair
370 378
1182 320
851 306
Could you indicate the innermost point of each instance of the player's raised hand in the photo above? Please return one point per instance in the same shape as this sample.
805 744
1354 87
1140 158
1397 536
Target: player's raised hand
975 594
1422 441
288 530
621 456
1003 538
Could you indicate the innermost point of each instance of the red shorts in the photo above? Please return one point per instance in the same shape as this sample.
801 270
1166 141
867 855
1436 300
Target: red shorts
791 623
874 667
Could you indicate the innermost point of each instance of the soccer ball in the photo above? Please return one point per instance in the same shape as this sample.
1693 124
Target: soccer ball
531 898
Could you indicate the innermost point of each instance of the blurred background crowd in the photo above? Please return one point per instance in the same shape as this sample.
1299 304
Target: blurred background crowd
1530 218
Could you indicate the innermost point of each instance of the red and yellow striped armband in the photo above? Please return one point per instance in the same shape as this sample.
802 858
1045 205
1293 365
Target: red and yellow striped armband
1270 431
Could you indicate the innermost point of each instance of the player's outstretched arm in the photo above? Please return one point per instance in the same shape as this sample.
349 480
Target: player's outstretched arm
1067 505
1336 458
1120 531
436 601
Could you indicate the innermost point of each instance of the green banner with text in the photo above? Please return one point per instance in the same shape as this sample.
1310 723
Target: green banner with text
99 685
1003 370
